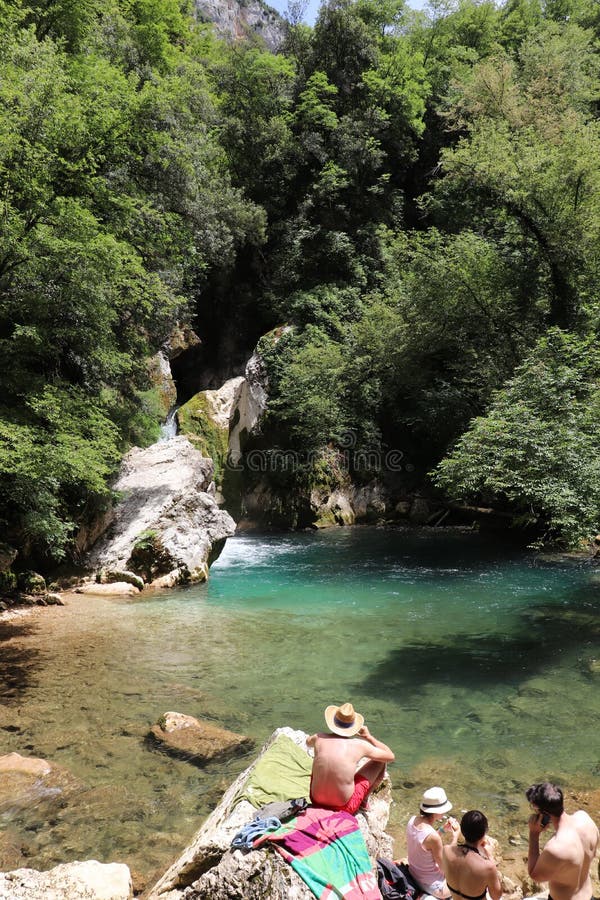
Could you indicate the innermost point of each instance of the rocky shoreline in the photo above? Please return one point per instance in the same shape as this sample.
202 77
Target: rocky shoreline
208 869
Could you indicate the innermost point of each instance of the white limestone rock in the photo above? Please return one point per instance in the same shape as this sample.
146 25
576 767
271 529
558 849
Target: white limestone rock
236 20
88 880
167 489
113 589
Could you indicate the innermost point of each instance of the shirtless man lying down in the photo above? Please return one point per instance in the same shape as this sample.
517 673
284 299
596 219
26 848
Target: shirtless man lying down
336 783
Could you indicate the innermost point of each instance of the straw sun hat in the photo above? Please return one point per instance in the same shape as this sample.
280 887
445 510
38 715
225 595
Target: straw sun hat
343 720
435 801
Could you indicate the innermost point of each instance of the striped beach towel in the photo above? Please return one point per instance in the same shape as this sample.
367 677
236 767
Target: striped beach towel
328 852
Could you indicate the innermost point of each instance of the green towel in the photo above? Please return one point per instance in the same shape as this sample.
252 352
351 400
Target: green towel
282 773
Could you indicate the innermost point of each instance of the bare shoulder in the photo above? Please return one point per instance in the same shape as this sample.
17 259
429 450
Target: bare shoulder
360 747
582 819
587 829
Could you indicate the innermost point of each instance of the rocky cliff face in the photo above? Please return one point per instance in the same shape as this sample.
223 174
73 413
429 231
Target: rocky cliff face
238 19
219 422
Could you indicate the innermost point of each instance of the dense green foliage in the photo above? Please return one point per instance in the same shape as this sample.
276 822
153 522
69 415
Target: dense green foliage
417 194
536 449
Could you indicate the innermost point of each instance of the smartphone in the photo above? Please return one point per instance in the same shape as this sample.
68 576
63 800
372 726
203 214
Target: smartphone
545 819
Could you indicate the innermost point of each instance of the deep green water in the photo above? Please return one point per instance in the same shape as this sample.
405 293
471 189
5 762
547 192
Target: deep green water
472 661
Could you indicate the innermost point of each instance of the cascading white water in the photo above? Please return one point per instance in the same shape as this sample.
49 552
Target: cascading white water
168 429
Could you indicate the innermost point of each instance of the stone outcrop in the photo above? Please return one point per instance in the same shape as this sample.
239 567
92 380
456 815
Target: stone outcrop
7 556
159 372
348 504
209 870
110 576
219 422
168 502
322 507
239 19
88 880
182 338
113 589
198 741
250 406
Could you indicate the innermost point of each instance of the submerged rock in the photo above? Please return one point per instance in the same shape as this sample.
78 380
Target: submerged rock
27 781
88 880
195 740
168 502
209 870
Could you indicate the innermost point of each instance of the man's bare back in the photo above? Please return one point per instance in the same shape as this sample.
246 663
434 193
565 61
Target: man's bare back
335 772
571 852
566 859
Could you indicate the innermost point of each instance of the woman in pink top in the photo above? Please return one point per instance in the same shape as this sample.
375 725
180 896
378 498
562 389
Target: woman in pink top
425 844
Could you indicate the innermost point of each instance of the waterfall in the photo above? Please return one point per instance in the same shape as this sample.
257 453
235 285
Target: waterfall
168 429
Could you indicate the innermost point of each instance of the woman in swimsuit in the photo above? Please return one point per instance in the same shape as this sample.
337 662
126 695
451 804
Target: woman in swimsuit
471 873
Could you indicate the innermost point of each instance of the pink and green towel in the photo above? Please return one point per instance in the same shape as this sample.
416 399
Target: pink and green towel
328 851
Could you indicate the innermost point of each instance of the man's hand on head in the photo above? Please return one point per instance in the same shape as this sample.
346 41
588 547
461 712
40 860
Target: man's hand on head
364 732
535 824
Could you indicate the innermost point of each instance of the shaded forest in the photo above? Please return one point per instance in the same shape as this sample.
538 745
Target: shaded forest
416 193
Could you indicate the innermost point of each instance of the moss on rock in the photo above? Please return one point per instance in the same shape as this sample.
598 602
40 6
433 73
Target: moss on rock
207 436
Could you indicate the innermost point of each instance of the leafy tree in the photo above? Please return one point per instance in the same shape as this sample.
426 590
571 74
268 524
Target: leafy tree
528 160
537 449
305 402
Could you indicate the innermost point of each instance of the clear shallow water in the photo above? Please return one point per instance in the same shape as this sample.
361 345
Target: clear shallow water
471 661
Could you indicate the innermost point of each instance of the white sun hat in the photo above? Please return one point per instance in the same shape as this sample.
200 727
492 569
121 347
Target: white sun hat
435 801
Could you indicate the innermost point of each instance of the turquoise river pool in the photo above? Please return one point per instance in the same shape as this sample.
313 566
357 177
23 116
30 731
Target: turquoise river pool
476 663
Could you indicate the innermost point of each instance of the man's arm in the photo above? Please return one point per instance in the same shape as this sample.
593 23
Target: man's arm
541 866
311 740
378 750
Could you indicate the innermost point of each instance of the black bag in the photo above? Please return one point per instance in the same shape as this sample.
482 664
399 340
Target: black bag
395 881
283 809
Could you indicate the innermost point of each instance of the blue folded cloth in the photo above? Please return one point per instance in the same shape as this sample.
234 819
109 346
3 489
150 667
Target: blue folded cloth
244 839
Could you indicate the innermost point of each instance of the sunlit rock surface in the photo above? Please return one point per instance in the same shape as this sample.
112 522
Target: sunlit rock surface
209 870
195 740
167 491
237 20
88 880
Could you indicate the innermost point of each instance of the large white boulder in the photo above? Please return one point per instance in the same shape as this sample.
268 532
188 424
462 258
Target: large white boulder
167 491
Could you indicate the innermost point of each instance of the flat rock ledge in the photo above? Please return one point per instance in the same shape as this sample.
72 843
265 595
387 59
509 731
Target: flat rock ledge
195 740
209 870
88 880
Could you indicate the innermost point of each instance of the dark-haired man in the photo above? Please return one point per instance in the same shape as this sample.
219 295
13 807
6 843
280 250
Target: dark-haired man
566 858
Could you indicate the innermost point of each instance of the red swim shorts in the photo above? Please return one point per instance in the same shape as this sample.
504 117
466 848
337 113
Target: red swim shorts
362 786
